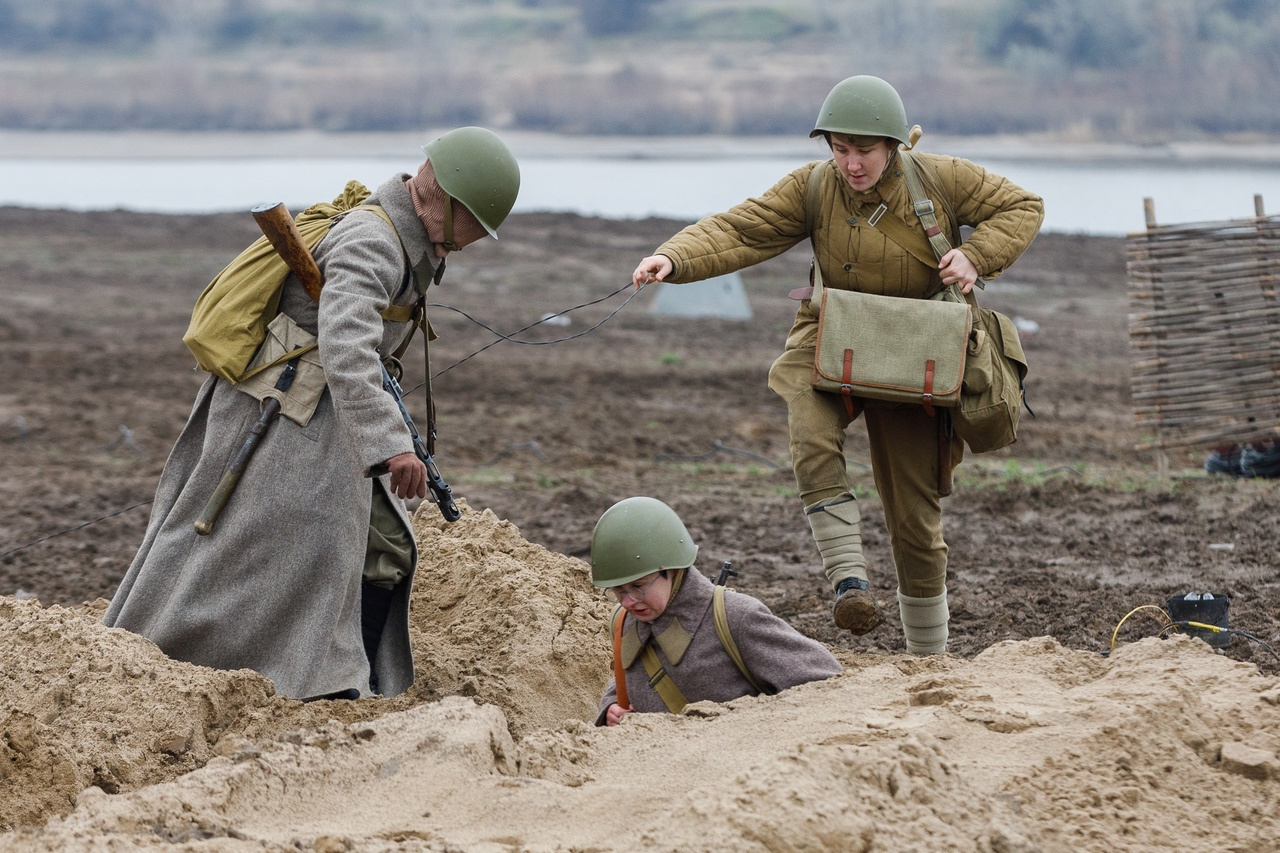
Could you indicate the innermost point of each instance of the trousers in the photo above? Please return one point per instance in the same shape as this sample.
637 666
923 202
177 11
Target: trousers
389 553
903 440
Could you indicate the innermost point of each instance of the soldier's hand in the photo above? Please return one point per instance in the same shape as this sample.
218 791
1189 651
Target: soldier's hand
956 268
408 476
614 715
652 268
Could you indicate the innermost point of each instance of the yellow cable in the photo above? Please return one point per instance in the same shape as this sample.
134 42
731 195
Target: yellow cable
1163 619
1214 628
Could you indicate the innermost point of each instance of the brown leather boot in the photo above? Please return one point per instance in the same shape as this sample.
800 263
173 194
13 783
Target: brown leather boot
855 608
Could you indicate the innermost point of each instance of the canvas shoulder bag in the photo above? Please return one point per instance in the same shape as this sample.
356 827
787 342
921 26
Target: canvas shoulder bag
890 348
887 347
993 392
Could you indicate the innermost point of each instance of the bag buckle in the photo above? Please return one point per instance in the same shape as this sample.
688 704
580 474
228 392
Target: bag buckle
923 208
876 215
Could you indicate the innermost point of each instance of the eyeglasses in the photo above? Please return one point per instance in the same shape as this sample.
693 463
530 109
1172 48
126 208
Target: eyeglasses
635 592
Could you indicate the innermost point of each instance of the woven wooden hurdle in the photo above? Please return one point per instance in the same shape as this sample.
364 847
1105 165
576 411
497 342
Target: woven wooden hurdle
1204 331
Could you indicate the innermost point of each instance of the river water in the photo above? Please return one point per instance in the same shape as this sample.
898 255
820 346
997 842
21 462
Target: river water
1087 192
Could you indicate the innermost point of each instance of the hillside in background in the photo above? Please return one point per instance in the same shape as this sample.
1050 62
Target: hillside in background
1130 70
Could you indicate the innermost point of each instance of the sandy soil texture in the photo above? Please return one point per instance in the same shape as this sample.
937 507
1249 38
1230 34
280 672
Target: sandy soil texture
1025 737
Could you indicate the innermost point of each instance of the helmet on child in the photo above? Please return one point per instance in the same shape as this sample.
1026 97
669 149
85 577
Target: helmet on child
637 537
863 106
474 166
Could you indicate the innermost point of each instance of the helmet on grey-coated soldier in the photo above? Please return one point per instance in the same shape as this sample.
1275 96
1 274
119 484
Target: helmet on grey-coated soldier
474 166
637 537
863 106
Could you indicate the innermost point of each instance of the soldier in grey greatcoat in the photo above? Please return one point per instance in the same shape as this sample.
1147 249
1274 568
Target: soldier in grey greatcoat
668 649
306 577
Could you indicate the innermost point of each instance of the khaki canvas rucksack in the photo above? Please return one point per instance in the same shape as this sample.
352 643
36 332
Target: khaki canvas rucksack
230 318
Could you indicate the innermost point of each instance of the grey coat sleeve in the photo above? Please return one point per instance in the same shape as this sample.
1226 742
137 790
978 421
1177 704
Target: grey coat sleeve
362 270
778 655
609 698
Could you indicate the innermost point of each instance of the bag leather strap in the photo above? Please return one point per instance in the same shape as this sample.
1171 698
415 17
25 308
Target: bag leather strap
924 210
417 316
923 206
846 390
815 293
901 233
619 673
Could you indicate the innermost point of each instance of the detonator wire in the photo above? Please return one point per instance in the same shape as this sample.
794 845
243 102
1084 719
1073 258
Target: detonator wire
501 337
511 338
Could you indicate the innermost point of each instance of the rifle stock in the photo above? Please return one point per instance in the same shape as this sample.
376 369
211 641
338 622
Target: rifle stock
945 437
282 232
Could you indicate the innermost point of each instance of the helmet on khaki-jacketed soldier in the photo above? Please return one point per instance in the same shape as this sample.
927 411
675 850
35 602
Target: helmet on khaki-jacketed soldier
637 537
863 106
475 167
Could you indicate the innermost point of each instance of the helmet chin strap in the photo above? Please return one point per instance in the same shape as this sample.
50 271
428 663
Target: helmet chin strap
449 243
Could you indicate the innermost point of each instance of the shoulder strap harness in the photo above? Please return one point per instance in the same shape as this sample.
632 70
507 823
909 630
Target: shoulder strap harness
927 248
659 680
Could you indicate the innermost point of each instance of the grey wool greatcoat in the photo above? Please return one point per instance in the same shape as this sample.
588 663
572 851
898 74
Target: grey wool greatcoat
685 640
276 586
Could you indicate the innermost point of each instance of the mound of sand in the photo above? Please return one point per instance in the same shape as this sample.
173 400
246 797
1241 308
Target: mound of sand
507 622
493 617
1029 746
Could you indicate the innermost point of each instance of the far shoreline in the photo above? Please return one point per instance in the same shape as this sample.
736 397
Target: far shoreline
175 145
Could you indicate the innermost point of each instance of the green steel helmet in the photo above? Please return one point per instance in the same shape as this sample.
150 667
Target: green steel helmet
474 166
863 106
636 537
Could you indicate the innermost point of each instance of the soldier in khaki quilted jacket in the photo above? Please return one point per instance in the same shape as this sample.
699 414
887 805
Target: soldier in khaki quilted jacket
864 123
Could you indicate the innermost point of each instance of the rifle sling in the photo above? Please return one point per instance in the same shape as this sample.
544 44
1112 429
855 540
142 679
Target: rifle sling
721 617
619 672
424 275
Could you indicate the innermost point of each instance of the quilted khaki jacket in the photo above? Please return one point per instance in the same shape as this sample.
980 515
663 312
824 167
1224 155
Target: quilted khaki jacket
852 254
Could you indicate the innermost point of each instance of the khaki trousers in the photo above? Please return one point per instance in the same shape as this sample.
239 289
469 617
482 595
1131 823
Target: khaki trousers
389 555
903 442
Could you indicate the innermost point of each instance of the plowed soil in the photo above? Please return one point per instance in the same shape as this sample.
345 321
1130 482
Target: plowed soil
1062 534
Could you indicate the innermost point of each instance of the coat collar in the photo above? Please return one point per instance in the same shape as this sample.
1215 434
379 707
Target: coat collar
673 631
394 198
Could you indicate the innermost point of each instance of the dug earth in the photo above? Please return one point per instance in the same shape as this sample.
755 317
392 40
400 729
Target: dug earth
1061 536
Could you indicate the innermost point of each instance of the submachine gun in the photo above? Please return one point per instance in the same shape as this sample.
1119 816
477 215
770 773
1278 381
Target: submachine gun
440 491
725 573
282 232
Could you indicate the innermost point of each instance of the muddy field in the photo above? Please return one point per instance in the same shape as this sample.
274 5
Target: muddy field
1062 534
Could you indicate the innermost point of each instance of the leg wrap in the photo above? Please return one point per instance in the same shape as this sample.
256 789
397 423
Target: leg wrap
924 623
835 526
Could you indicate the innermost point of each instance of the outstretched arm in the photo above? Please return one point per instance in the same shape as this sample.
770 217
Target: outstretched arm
652 268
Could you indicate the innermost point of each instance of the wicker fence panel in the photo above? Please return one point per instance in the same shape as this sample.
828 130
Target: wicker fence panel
1204 332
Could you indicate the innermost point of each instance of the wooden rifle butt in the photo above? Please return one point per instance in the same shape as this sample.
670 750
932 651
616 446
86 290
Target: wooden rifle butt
282 232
